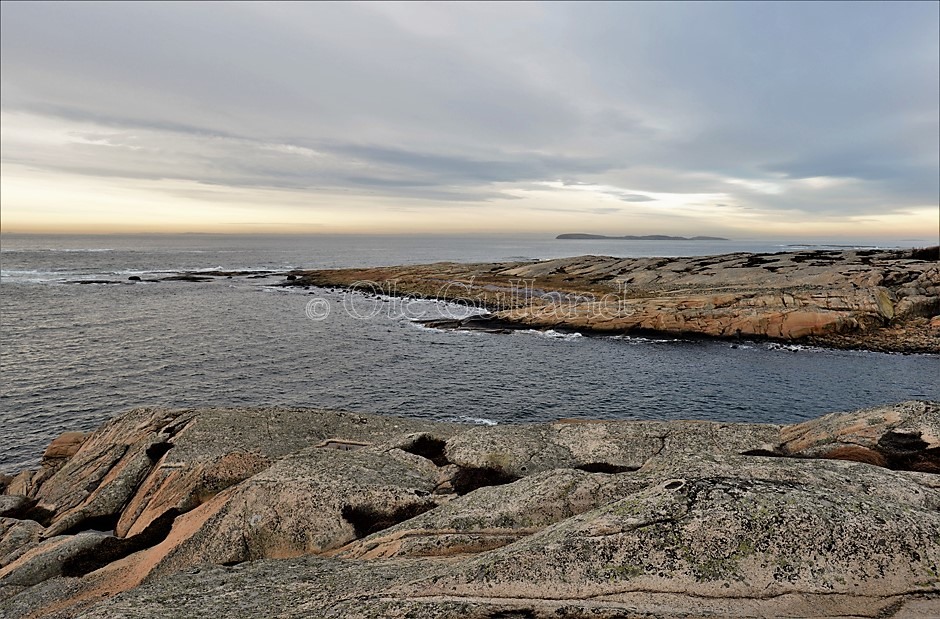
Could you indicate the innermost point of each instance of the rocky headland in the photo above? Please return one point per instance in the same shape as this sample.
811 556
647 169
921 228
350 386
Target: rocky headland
886 300
278 512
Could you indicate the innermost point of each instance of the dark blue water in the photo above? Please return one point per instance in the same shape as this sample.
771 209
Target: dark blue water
74 355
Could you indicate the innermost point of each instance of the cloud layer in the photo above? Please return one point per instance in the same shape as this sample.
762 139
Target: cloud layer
736 116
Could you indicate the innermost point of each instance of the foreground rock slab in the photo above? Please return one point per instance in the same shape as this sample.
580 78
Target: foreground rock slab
300 513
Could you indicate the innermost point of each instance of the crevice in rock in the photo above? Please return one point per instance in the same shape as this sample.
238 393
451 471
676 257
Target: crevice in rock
156 451
890 610
40 514
513 614
927 461
19 511
900 452
115 548
34 512
819 255
29 510
106 522
908 451
469 479
367 519
901 443
173 429
342 444
605 467
766 453
662 445
430 448
755 260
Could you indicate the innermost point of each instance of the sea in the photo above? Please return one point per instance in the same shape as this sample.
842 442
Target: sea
74 355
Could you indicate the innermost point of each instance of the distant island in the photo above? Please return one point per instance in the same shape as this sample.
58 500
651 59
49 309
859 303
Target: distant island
648 237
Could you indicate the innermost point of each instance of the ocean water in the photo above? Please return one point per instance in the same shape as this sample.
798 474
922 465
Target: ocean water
73 355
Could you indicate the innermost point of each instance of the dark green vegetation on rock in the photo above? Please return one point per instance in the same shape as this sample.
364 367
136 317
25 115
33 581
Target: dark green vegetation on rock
311 513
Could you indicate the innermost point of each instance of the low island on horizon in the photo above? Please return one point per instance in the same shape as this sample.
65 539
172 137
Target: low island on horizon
630 237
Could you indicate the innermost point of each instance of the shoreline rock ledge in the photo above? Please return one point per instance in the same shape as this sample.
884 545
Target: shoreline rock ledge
264 512
870 299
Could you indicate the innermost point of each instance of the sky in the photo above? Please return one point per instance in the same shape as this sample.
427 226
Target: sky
744 120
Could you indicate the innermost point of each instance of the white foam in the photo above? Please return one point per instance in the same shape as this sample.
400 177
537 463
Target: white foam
552 334
793 347
418 325
480 421
39 276
285 289
637 339
147 272
89 250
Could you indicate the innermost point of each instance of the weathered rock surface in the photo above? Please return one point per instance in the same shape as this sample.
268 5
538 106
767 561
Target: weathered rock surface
93 485
47 558
905 436
495 516
309 502
713 541
14 505
144 463
16 537
299 513
599 446
219 448
874 299
63 447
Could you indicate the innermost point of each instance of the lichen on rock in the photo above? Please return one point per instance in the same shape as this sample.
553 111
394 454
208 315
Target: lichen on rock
299 513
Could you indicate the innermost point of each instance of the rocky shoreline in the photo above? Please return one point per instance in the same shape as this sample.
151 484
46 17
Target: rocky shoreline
881 300
314 513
